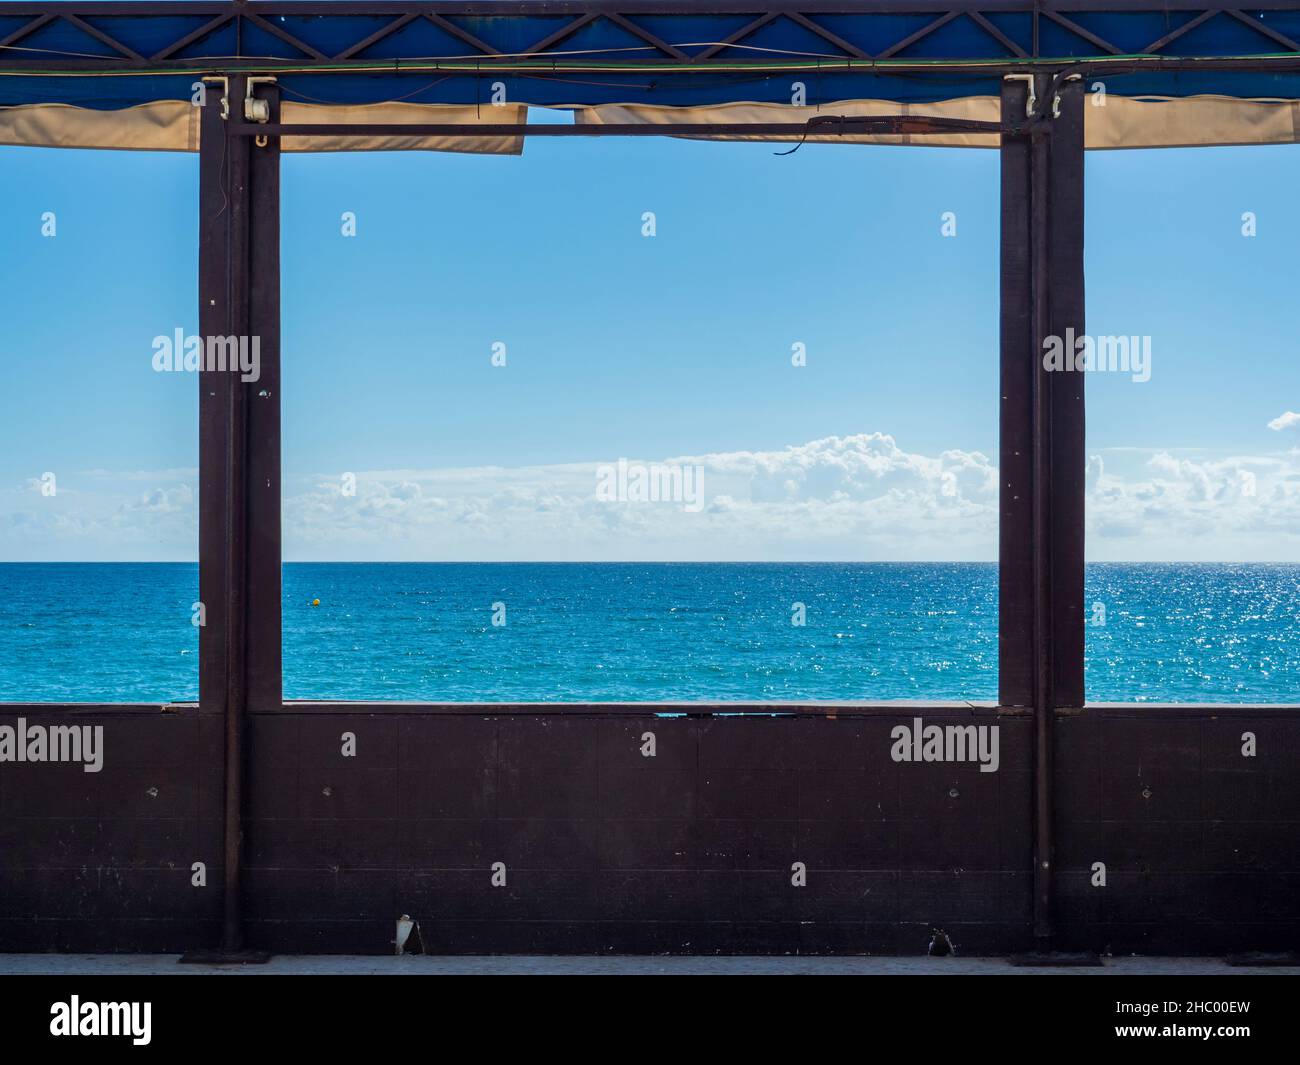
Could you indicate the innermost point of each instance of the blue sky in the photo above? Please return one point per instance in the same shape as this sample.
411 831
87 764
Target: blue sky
675 347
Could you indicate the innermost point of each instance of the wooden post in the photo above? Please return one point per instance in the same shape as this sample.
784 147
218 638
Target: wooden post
1041 633
239 445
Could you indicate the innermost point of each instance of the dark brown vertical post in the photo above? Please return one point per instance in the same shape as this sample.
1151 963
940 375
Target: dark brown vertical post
239 447
265 690
214 402
1068 466
1042 433
1015 459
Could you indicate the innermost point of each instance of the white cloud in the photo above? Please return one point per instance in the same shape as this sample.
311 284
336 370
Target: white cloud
1233 508
837 498
164 500
1286 420
100 515
181 474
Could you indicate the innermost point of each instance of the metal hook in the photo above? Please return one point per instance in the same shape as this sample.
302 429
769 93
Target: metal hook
1032 100
1056 100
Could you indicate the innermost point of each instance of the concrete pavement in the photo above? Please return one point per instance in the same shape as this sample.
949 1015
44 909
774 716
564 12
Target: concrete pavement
320 965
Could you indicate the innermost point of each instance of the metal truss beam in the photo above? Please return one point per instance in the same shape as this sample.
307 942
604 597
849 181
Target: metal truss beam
271 35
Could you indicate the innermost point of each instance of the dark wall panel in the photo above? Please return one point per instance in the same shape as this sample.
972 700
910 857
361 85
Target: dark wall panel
1200 842
103 861
607 850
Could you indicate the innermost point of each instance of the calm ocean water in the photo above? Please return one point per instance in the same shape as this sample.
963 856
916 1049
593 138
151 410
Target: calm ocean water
648 632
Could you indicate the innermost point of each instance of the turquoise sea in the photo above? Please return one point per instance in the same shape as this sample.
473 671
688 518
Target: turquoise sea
650 632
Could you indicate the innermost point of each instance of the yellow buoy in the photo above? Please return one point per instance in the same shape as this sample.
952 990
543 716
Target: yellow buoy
315 602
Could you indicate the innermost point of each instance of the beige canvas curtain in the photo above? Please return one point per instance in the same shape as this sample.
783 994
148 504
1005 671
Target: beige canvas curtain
173 126
1121 122
1118 122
